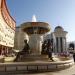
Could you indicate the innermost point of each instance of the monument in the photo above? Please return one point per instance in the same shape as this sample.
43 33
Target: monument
35 31
60 36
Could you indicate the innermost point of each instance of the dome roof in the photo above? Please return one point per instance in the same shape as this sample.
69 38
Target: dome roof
59 28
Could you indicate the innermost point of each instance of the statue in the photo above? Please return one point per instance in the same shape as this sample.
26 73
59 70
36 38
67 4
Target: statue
50 49
44 48
26 48
47 48
25 51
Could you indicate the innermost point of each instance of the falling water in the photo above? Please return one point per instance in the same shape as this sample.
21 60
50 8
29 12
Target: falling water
33 18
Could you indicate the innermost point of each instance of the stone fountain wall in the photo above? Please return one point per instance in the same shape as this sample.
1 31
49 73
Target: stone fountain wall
35 43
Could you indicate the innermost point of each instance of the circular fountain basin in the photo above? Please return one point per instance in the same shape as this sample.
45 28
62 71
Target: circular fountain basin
31 27
34 66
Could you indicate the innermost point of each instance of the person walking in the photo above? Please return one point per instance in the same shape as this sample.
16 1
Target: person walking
74 56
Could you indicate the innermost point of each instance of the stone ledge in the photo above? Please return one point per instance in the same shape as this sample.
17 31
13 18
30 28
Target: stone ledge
10 68
21 68
35 67
2 68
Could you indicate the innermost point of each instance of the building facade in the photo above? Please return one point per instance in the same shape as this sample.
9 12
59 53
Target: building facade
7 29
59 39
60 36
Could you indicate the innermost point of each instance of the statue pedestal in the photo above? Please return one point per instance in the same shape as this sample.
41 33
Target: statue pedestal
35 44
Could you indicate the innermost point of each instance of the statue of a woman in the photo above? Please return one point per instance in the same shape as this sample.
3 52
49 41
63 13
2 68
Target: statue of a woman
26 47
24 51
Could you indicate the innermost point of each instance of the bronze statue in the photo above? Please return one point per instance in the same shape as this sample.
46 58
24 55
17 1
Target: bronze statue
47 48
44 47
26 47
50 49
25 51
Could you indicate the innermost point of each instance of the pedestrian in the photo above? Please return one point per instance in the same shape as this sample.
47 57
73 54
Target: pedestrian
74 56
50 54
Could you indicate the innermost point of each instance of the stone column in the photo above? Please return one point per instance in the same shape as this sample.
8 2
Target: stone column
35 44
64 43
56 45
59 44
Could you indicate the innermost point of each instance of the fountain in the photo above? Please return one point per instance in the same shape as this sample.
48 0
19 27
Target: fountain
35 31
34 18
35 61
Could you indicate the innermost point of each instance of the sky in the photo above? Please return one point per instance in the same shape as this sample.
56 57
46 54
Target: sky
54 12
